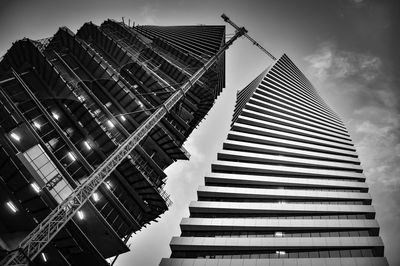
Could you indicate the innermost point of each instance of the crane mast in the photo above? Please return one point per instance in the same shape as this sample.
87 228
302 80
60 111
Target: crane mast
45 231
37 240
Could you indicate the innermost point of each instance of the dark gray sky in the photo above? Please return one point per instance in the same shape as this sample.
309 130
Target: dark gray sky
346 48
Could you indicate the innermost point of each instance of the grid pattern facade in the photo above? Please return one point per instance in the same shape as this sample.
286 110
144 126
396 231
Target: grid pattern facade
286 189
67 102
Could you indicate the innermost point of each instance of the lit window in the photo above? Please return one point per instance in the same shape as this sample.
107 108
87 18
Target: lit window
44 257
81 98
95 197
12 207
280 252
69 131
123 118
37 125
35 187
279 234
135 86
110 124
140 104
108 185
81 215
71 156
56 116
87 145
15 136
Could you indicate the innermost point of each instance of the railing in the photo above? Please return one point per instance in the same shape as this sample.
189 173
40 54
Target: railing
42 43
132 30
135 55
104 63
75 85
173 60
113 134
150 176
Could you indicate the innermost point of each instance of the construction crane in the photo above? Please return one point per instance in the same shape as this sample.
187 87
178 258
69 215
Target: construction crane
227 20
37 240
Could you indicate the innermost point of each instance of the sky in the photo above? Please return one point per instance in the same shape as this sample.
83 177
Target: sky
347 48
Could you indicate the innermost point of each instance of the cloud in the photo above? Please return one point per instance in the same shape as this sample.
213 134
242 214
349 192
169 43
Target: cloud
360 87
330 62
364 92
148 14
355 4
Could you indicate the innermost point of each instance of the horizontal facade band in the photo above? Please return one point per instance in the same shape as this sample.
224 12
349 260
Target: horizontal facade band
276 111
240 167
285 62
294 133
296 83
259 224
264 94
277 141
268 87
357 261
279 83
279 108
262 113
272 243
244 126
276 81
254 118
224 178
265 98
288 86
272 149
260 193
267 207
252 157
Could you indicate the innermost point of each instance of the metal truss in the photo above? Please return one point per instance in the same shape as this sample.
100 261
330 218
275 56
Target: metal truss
37 240
226 19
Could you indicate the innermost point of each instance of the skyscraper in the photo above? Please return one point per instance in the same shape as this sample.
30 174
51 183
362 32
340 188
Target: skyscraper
287 187
68 102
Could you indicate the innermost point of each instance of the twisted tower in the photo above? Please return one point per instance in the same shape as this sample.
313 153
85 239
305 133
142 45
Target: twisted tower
287 187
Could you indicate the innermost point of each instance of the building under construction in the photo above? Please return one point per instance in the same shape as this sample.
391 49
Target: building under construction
69 101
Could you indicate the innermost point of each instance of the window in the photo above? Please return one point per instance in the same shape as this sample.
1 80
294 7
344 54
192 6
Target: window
15 136
35 187
48 172
11 206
